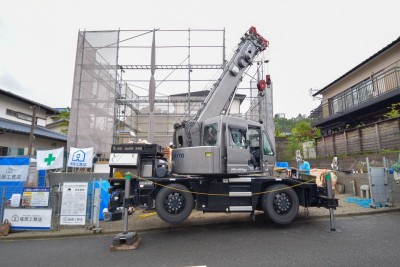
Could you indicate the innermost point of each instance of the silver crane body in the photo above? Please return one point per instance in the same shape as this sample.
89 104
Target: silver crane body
215 143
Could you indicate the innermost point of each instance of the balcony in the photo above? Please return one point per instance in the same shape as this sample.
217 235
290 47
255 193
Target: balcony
367 100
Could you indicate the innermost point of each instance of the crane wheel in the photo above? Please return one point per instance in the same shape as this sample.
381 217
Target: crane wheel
281 203
174 203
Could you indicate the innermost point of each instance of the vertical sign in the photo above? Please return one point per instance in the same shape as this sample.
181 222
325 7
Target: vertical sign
73 205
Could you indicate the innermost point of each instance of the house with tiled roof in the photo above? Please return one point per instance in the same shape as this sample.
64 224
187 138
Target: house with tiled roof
353 116
19 117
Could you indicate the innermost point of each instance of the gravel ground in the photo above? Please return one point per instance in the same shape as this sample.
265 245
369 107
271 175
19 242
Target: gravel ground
140 221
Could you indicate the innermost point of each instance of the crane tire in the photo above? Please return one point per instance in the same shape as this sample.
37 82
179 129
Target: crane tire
280 203
174 203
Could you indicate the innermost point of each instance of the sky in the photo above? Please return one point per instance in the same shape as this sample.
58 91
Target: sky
312 42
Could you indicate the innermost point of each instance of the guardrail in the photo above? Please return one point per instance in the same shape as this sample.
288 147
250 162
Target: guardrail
362 92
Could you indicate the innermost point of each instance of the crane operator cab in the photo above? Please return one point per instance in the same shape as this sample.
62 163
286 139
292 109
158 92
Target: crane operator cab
228 145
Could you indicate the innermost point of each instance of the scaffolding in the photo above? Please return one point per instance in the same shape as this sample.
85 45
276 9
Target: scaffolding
110 100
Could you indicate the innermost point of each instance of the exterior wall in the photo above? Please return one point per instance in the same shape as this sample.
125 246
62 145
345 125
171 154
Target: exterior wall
58 129
14 140
385 61
164 128
235 108
15 105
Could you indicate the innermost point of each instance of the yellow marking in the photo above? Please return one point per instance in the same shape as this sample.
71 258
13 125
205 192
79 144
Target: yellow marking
147 215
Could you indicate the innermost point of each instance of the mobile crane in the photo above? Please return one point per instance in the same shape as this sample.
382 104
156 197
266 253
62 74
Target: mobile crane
220 163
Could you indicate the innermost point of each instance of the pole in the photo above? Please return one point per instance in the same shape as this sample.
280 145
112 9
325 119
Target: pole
127 193
330 198
31 135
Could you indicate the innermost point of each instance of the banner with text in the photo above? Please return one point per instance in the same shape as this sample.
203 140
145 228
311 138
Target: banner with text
73 204
13 169
28 219
50 159
80 157
35 197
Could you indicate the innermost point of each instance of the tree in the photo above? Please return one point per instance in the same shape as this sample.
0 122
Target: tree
283 126
301 132
394 111
64 118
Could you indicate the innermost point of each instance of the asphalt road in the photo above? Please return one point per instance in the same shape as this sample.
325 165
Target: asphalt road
372 240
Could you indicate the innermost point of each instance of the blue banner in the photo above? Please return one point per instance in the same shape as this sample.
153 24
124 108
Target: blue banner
13 169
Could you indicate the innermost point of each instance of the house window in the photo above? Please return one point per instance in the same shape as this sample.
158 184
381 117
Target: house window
10 112
3 151
365 90
349 99
355 93
337 104
19 115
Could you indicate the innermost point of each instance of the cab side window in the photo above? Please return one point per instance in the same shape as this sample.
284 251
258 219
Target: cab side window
237 137
210 136
267 148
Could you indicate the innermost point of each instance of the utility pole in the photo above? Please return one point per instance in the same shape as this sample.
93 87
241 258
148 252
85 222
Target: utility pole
31 136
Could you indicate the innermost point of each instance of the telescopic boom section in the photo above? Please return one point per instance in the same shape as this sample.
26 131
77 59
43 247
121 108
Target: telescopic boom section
260 38
218 100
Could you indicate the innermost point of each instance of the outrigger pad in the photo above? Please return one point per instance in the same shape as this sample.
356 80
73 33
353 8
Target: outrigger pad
125 241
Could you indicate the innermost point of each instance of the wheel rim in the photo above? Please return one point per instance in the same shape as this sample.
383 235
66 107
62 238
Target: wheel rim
282 203
174 203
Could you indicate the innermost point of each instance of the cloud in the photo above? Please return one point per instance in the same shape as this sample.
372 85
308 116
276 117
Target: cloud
9 83
3 29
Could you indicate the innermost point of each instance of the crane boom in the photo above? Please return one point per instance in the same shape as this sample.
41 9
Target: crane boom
250 46
217 102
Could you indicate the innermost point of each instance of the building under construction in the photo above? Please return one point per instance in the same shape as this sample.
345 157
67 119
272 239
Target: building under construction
111 100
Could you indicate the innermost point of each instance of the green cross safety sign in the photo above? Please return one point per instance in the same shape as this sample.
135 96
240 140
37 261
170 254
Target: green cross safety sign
49 159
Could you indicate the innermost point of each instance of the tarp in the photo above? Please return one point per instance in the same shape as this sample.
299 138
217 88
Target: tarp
282 164
13 175
362 202
7 189
396 166
104 195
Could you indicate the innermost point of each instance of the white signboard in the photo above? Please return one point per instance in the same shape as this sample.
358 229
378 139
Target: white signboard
73 205
28 219
121 159
80 157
